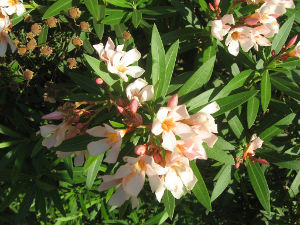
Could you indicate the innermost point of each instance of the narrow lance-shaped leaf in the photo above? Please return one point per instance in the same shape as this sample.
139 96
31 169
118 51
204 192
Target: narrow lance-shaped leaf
26 203
265 90
169 203
252 110
136 18
222 182
57 7
93 170
92 6
283 34
200 189
43 35
259 184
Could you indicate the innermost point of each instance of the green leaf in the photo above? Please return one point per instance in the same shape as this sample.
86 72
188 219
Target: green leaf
92 6
37 147
236 126
93 170
17 19
57 7
158 62
217 153
116 17
199 78
286 87
99 28
235 83
233 101
120 3
14 192
199 100
294 188
265 90
136 18
277 127
203 4
77 143
40 204
9 132
98 67
158 219
283 34
200 190
57 201
259 184
252 110
84 81
26 203
170 63
43 35
222 182
169 203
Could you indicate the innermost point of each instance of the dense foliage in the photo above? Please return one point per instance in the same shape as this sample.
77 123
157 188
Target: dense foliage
149 112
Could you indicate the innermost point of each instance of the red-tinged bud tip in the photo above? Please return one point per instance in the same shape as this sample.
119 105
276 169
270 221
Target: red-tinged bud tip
140 149
157 157
56 115
273 53
217 3
134 105
237 164
121 109
99 81
119 102
173 101
211 7
262 161
292 41
10 26
284 57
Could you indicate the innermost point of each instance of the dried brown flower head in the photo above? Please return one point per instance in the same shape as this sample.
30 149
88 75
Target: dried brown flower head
77 42
51 22
22 50
36 29
126 35
74 13
30 35
46 50
28 74
27 18
84 26
16 42
31 45
72 63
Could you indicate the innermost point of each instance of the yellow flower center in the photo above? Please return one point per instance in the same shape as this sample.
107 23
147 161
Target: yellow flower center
168 125
13 2
121 68
236 35
1 15
140 166
180 148
112 137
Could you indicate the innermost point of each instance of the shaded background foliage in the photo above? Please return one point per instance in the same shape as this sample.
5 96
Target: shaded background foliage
38 188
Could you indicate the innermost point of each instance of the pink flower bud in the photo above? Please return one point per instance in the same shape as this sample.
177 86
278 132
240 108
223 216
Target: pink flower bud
134 105
140 149
273 53
56 115
173 101
79 126
121 110
237 164
119 102
251 20
99 81
217 3
292 41
284 57
157 157
211 7
262 161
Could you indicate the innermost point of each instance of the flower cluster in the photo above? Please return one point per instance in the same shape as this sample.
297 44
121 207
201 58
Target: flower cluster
250 31
7 9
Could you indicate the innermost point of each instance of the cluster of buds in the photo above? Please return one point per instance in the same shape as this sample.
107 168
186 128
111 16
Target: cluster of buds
7 9
255 143
253 30
284 54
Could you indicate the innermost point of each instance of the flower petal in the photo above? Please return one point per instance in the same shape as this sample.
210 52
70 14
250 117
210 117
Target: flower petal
97 131
98 147
119 197
134 71
130 57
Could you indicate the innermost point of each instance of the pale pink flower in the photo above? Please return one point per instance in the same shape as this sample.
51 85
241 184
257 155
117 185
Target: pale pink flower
131 176
255 143
140 90
119 64
178 177
106 53
4 20
258 39
239 36
4 41
13 6
112 139
79 158
167 123
296 51
191 148
219 28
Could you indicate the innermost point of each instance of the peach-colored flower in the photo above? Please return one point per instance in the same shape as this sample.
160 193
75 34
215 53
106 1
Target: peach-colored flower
13 6
258 38
178 177
131 176
219 28
112 139
140 90
167 123
296 51
239 36
191 148
4 41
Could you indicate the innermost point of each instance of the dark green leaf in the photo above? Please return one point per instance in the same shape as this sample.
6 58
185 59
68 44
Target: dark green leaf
92 6
43 35
222 182
265 90
77 143
85 82
169 203
93 170
26 203
286 87
136 18
57 7
252 110
120 3
9 132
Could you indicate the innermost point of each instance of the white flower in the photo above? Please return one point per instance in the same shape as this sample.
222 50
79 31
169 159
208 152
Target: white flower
13 6
140 90
4 20
119 64
239 36
219 28
4 41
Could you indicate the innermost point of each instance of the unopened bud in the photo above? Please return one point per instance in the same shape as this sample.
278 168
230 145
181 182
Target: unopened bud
237 165
119 102
134 105
273 53
211 7
56 115
157 157
121 110
262 161
99 81
173 101
140 149
217 3
292 41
